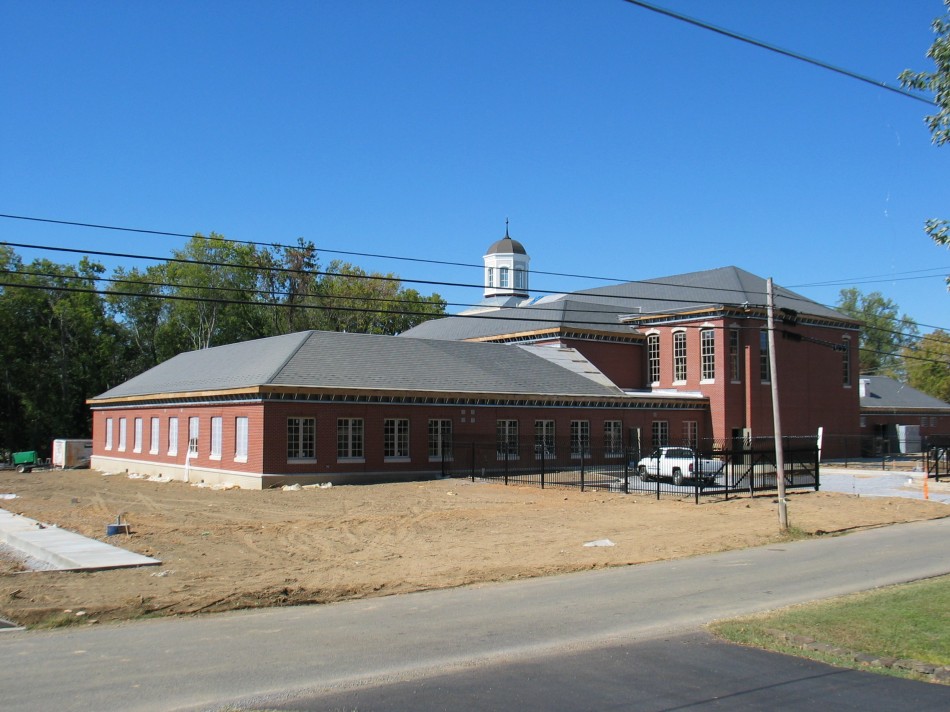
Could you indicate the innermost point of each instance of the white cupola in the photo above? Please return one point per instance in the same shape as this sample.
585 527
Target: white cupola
506 269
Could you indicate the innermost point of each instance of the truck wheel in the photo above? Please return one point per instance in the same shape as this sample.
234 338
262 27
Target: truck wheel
21 469
677 476
644 475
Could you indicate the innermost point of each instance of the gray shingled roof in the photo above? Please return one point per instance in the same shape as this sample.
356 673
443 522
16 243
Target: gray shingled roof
685 292
219 368
561 311
333 360
885 392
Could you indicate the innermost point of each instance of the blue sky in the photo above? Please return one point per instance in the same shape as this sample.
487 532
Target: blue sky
620 143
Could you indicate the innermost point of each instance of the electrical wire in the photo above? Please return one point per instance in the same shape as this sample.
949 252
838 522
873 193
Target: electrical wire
779 50
795 336
377 277
419 260
385 278
327 305
789 296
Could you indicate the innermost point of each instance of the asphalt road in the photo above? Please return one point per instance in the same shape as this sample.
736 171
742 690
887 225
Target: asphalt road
684 672
305 652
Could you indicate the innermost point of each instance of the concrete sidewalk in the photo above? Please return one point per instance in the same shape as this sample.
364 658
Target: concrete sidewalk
64 550
882 483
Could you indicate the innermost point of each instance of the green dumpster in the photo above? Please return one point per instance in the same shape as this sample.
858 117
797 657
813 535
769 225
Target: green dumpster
25 461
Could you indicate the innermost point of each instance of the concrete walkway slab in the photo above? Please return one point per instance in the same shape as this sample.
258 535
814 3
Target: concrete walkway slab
64 550
882 483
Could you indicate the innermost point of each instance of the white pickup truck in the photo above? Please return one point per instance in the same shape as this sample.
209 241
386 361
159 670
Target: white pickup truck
678 464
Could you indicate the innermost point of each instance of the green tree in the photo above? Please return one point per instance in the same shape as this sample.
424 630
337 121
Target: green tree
928 365
357 301
290 283
213 287
59 348
137 302
884 334
938 82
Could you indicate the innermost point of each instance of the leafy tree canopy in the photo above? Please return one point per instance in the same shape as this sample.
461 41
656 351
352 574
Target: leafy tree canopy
66 340
938 82
883 333
928 365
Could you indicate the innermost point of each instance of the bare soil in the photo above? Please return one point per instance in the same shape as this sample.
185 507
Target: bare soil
230 549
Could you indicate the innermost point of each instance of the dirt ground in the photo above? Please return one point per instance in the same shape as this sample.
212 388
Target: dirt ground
231 549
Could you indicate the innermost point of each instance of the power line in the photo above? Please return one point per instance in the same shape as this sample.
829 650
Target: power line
272 293
941 273
419 260
779 50
662 283
337 308
377 277
328 305
349 253
331 307
385 278
786 295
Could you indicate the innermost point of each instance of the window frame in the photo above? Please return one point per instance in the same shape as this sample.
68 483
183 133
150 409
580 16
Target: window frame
680 364
545 444
707 350
440 439
350 440
154 435
194 432
506 439
216 437
846 362
580 439
613 438
653 359
396 439
735 362
301 438
172 436
241 432
109 434
691 433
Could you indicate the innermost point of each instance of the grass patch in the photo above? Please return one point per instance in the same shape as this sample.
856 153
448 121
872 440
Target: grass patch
796 534
58 620
910 621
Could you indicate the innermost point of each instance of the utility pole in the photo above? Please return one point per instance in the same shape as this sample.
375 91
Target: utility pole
776 417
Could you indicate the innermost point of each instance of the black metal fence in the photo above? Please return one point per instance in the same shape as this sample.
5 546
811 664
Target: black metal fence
859 449
726 470
937 463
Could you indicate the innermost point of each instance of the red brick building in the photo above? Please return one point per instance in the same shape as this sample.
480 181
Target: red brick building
702 333
682 359
326 406
899 419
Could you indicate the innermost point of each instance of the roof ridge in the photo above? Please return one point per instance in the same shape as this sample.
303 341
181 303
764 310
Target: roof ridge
305 337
